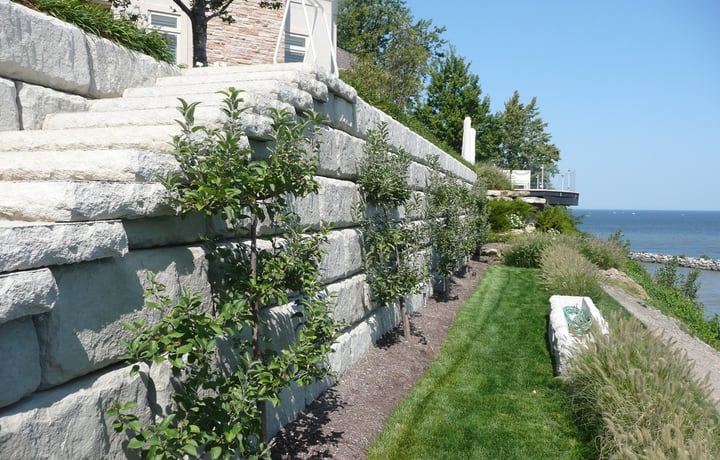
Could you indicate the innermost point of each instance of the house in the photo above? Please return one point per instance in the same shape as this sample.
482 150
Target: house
300 31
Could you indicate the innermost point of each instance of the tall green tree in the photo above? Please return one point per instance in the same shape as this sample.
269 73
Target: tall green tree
200 12
524 143
393 50
452 94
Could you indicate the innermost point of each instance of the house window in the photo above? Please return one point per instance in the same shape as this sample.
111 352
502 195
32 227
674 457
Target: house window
167 26
294 47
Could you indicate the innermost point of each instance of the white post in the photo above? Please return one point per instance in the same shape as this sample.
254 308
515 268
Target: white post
468 141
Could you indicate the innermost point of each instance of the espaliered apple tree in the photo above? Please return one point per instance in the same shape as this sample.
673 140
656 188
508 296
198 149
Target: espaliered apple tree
391 240
224 371
457 218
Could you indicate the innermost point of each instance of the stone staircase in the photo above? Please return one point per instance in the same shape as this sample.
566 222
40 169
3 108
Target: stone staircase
103 164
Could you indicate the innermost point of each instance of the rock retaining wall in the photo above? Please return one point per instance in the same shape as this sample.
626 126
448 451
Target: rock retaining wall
700 263
82 216
47 65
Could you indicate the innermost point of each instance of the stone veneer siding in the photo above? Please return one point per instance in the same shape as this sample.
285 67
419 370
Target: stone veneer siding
249 40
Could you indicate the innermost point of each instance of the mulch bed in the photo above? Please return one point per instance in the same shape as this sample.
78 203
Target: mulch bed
346 418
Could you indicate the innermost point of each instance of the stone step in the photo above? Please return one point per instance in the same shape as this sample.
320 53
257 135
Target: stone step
281 97
122 165
237 73
258 126
80 201
248 69
284 91
302 80
28 245
333 83
155 138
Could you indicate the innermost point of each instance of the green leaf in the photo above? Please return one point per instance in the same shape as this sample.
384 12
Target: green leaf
136 443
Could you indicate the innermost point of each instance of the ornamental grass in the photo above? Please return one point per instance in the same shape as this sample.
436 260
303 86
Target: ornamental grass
637 398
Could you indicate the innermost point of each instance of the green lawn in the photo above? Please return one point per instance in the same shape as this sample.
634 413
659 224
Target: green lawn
491 393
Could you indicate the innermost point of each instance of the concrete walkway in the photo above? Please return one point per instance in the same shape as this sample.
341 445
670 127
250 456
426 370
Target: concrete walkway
705 358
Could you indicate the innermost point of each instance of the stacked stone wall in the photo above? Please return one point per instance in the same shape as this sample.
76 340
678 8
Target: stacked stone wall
82 217
47 65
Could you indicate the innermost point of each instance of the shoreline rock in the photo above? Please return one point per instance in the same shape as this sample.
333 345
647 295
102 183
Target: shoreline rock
687 262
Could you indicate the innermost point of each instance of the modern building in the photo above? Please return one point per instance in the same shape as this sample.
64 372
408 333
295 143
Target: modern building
300 31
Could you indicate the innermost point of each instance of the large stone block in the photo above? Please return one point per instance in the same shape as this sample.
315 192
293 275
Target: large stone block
356 341
153 138
86 165
21 365
339 113
351 300
84 330
168 230
26 245
81 201
42 50
344 256
26 293
71 422
367 118
339 154
115 68
9 115
37 101
564 341
332 204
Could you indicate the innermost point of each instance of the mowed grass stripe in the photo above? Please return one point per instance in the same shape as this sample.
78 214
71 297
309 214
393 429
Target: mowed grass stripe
491 393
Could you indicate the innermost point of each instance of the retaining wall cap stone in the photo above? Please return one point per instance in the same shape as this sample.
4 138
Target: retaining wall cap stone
43 50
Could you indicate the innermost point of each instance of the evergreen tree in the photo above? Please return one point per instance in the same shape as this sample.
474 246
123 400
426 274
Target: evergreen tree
524 143
453 94
393 50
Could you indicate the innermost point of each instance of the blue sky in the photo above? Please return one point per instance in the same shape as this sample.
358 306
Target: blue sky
630 89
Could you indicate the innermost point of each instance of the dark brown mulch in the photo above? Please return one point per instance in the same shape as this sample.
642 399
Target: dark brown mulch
343 422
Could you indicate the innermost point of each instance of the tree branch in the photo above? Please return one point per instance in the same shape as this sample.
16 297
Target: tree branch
183 7
220 11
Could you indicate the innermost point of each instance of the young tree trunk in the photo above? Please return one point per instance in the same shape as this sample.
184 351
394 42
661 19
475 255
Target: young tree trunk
199 31
405 317
403 304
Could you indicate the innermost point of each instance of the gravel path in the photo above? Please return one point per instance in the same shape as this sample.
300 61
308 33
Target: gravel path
705 358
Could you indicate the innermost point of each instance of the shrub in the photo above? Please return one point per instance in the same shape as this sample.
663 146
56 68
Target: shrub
526 250
99 21
604 253
556 218
500 212
636 396
566 271
494 177
671 300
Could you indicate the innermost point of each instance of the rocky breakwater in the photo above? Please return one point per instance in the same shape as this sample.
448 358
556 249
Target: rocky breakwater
702 263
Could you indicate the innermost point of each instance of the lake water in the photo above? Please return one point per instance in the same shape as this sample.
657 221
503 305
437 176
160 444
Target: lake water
677 233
